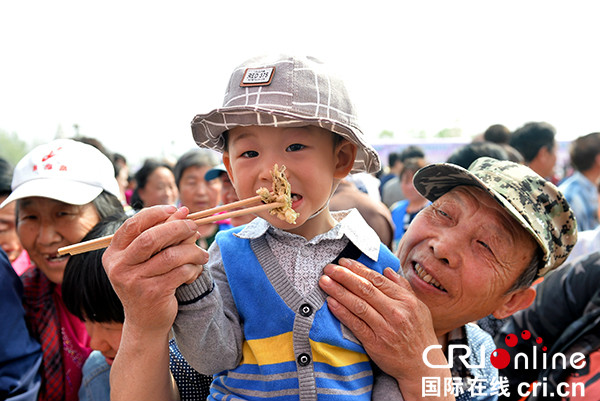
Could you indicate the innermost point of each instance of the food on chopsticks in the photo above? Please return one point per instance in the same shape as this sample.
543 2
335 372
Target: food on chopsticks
281 193
278 203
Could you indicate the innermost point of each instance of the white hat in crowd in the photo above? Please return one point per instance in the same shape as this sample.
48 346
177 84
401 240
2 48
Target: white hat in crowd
66 170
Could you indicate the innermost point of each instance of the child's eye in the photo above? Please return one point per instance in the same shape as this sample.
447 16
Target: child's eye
250 154
295 147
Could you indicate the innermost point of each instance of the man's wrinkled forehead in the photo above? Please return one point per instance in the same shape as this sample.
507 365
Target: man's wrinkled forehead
479 198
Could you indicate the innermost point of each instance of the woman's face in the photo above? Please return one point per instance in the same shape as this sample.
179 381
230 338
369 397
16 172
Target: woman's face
195 192
44 225
9 240
160 188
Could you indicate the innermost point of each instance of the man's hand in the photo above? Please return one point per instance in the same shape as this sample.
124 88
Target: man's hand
383 312
152 254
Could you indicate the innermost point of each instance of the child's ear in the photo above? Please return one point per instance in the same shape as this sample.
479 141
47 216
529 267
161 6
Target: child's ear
345 154
227 163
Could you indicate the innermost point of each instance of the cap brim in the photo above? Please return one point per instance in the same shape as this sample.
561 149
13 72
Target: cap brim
207 130
214 173
71 192
435 180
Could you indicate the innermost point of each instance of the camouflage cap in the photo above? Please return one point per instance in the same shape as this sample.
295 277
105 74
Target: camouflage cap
535 203
286 91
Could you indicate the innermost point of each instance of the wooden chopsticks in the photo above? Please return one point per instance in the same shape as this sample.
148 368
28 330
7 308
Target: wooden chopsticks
198 217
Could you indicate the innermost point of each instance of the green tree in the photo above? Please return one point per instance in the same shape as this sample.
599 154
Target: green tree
11 147
449 133
386 134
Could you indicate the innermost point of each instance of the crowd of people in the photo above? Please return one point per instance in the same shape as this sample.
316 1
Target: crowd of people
388 276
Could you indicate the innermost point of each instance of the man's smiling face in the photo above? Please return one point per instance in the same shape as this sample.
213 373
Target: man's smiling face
462 254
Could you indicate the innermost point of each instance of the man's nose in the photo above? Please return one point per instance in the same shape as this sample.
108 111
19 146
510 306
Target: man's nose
446 248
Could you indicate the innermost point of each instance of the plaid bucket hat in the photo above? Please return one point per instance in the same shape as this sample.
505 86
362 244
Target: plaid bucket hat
285 91
532 201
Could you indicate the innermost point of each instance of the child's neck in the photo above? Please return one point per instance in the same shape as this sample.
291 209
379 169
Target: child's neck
316 225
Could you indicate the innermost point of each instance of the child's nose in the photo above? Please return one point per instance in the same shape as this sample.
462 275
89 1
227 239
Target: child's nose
265 170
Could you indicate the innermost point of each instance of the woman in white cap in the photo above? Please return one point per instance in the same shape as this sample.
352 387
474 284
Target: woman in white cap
62 189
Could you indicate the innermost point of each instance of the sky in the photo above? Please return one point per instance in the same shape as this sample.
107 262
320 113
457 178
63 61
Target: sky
134 73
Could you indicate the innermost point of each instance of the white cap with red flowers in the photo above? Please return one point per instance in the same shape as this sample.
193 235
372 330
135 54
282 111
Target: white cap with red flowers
66 170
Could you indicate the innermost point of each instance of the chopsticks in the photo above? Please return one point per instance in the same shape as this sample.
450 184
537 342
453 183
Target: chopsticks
199 218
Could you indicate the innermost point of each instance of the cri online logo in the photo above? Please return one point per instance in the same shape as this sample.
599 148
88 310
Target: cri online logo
500 358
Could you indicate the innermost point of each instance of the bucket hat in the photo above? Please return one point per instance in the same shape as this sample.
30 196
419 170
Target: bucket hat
285 91
536 204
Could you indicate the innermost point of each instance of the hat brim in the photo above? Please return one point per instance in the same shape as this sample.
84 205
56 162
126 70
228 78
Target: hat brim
207 130
435 180
67 191
215 172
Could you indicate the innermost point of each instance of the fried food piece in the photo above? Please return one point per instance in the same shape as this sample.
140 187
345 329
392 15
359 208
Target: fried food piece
282 192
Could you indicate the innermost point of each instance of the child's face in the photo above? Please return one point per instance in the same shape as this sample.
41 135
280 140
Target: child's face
314 164
105 337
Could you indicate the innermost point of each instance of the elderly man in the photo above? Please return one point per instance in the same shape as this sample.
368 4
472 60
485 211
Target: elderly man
490 232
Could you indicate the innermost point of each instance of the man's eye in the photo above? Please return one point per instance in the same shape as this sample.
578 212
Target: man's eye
250 153
484 245
440 211
295 147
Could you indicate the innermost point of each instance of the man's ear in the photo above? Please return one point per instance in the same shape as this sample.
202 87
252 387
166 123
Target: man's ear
345 154
515 301
227 163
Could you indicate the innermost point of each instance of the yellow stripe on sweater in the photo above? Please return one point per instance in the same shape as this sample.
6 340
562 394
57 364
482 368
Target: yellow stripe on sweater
279 349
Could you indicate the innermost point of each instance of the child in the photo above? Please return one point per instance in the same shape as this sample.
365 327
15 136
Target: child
88 294
256 317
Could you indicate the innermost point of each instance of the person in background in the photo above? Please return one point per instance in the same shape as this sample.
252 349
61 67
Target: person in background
392 190
393 169
198 194
20 353
565 316
9 240
88 294
375 213
122 175
467 154
581 188
404 211
497 133
228 194
501 135
536 142
155 185
61 189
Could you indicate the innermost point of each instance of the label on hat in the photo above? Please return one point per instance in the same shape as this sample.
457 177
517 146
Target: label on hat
258 76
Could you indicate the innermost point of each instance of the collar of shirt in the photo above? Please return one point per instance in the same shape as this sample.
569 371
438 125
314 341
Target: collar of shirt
349 223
